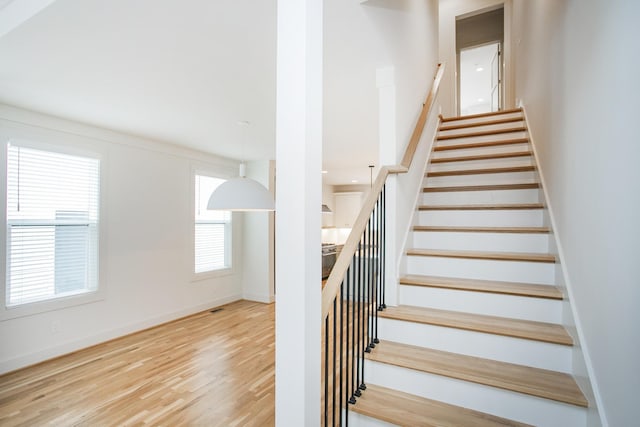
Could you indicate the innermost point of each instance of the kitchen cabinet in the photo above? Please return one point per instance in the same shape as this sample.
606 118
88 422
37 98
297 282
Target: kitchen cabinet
347 208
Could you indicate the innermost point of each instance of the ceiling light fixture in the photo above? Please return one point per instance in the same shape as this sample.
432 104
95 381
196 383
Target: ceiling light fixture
241 194
354 181
479 69
325 171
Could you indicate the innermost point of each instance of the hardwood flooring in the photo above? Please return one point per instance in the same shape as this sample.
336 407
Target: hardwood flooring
209 369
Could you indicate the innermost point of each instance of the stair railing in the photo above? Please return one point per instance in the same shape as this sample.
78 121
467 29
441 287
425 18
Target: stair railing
355 289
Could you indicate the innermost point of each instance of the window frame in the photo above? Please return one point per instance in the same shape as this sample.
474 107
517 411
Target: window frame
231 229
73 145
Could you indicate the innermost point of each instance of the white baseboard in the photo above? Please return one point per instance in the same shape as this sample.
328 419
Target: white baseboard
264 298
71 346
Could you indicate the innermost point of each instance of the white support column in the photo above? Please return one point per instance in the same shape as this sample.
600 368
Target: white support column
298 216
388 153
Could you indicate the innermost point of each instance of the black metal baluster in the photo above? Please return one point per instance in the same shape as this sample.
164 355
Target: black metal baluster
384 249
367 237
342 365
326 370
357 326
374 272
333 388
379 264
361 344
352 400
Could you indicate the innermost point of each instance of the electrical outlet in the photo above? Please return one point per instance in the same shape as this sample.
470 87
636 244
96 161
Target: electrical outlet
55 326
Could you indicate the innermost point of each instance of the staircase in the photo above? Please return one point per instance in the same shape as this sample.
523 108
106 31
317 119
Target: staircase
476 339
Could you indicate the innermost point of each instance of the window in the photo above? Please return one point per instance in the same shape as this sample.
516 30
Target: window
52 225
212 229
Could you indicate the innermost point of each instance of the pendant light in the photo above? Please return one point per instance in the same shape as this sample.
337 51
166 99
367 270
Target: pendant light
241 193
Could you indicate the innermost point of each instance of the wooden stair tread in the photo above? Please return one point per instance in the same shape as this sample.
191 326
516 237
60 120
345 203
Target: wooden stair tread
481 133
454 229
489 286
406 409
481 157
496 256
492 187
481 144
475 116
479 207
511 169
538 382
517 328
482 123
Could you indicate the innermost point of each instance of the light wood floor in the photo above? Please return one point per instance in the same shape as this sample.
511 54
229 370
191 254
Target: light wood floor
210 369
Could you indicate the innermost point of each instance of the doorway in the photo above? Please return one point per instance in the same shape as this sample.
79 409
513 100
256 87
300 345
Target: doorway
479 75
479 41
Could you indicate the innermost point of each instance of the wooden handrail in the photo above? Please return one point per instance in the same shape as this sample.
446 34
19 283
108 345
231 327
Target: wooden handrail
422 119
351 245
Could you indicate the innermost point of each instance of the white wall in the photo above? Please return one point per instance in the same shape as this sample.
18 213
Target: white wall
577 75
148 259
258 273
361 37
449 10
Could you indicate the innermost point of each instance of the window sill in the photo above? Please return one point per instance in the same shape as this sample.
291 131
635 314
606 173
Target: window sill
30 309
223 272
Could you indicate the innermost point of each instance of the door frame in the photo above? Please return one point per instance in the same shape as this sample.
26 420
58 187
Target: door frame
447 46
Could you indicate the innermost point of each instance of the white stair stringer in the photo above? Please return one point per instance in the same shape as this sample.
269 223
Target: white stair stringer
495 401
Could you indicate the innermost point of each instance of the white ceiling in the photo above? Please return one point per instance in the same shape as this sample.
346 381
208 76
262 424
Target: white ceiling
187 72
184 72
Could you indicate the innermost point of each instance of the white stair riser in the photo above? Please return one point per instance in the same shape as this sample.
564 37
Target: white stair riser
502 403
483 218
484 138
483 128
481 197
482 179
512 306
359 420
482 164
499 242
516 114
537 354
506 271
477 151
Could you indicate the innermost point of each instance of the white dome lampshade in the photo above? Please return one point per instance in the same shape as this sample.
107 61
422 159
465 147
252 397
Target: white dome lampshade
241 194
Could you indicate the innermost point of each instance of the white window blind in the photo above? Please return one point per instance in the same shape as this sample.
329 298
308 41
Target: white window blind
212 229
52 225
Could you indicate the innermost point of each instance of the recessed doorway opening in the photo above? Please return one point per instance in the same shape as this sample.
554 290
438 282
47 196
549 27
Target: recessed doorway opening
479 79
480 63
